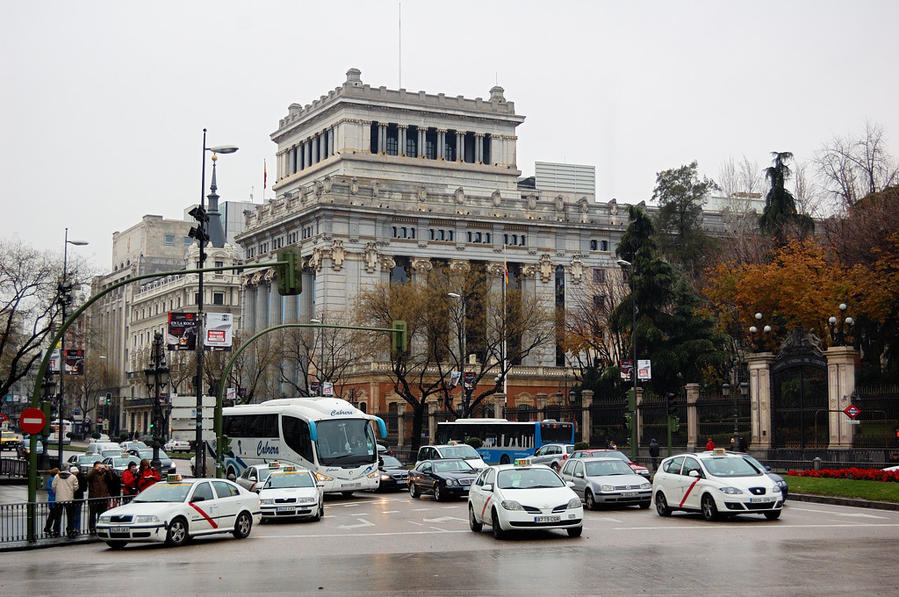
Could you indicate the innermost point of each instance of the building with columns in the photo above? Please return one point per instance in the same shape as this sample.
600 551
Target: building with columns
372 181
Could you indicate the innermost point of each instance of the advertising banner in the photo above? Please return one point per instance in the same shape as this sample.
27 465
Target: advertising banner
219 331
644 369
53 364
182 331
74 362
626 368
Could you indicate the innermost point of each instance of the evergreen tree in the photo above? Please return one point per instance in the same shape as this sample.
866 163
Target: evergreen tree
780 218
680 192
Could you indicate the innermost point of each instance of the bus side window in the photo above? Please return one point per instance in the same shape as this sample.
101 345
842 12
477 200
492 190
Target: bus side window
296 435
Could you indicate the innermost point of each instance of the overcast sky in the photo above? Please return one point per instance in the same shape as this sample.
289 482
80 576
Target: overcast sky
102 104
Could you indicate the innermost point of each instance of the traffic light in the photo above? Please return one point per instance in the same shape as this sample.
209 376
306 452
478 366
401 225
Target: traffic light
290 279
400 342
671 404
108 398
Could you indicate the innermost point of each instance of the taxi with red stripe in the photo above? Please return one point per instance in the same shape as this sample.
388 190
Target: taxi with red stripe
177 510
716 483
523 496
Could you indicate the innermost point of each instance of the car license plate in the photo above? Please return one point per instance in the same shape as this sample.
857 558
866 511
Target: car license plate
118 529
350 485
547 518
285 508
762 500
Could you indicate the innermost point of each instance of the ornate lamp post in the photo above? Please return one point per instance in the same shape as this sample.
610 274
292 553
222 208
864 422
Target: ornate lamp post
839 327
65 299
759 342
157 374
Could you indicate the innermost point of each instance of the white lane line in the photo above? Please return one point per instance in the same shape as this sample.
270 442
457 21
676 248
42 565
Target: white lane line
362 524
332 535
762 526
415 523
420 509
835 513
439 529
608 518
444 519
388 512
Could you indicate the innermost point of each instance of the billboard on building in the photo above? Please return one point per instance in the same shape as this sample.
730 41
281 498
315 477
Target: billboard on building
182 331
219 331
75 362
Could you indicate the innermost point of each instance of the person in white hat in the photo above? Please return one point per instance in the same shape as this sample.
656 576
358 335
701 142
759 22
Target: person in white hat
64 485
79 497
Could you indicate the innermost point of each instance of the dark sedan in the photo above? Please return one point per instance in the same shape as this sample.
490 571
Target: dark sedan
445 478
393 474
767 470
166 466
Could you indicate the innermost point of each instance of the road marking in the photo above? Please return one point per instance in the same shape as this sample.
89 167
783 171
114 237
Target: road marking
832 512
609 518
389 512
332 535
420 509
439 529
362 523
444 519
415 523
768 526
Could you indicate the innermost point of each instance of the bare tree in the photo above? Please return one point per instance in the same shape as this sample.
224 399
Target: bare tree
587 340
329 352
740 178
851 169
806 192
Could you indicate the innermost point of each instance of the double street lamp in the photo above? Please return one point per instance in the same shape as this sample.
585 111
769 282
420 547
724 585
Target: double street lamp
743 391
65 298
628 268
199 233
839 327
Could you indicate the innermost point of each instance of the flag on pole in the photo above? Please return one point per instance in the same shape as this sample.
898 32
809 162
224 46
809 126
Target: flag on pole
264 175
505 270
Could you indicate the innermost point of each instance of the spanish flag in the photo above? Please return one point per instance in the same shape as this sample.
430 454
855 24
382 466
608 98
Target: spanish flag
264 175
505 270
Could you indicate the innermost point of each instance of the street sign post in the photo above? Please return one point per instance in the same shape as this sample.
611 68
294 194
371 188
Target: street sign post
32 421
852 411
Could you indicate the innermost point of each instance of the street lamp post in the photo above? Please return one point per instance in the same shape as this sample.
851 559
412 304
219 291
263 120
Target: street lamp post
627 266
199 233
759 343
65 297
157 375
318 374
839 326
462 344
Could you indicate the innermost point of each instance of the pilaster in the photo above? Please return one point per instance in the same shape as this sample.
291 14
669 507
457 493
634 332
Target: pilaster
692 391
760 397
840 387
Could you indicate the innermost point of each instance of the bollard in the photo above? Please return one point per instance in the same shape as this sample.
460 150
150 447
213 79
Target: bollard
816 463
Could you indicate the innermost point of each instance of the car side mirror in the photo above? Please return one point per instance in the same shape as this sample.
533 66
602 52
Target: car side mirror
693 473
767 469
488 487
580 475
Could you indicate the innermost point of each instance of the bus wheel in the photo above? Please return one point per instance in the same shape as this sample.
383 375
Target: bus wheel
504 459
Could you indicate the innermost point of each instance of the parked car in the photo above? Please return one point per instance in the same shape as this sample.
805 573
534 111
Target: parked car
523 496
25 447
455 450
119 464
715 483
606 481
393 474
98 447
134 445
609 453
445 478
177 510
176 445
552 455
85 462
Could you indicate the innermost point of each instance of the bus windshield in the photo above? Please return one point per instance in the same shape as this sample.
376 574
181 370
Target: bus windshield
347 443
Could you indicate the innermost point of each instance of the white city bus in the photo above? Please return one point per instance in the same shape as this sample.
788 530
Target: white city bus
328 436
66 432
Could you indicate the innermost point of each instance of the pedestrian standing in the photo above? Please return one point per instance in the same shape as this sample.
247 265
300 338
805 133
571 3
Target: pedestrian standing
64 486
98 493
654 453
147 475
51 527
79 495
129 479
710 445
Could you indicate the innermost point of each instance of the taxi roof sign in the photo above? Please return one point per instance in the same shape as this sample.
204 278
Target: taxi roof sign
290 469
174 478
720 451
274 465
522 462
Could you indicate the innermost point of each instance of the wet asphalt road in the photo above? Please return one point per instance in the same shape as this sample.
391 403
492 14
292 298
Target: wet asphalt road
394 545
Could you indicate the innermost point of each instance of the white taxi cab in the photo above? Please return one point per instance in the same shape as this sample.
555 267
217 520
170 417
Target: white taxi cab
253 478
523 496
715 483
291 492
176 510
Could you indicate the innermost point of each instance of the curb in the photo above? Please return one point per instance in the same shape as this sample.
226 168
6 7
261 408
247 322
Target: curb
46 543
842 501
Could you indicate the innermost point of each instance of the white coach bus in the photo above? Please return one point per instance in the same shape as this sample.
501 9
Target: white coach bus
328 436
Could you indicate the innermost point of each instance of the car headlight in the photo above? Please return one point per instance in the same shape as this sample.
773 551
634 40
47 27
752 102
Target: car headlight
267 501
574 503
645 485
385 477
451 482
105 518
146 518
511 505
730 490
322 477
607 488
306 500
374 475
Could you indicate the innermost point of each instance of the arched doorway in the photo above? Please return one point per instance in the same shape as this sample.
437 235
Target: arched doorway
799 394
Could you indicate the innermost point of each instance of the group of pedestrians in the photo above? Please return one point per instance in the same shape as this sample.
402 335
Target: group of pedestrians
65 493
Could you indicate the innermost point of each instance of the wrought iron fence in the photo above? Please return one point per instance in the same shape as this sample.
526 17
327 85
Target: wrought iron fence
52 520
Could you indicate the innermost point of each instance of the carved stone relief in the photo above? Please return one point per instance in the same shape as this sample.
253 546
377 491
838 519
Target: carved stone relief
497 198
338 255
371 256
374 189
577 270
422 194
354 186
460 266
422 265
459 196
327 184
319 187
387 263
315 260
532 201
546 268
560 203
583 205
529 271
497 270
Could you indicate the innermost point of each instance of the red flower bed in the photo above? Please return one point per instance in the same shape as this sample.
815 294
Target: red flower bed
864 474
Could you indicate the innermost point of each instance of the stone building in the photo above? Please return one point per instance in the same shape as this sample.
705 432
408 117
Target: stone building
371 181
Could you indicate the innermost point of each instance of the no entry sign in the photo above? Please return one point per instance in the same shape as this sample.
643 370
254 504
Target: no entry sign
852 411
32 420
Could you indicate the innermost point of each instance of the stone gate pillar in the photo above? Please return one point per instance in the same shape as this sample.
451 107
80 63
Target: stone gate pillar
586 422
499 403
692 390
639 421
432 421
400 424
840 387
760 397
541 406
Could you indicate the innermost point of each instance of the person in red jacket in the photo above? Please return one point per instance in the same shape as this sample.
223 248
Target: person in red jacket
710 445
129 479
147 475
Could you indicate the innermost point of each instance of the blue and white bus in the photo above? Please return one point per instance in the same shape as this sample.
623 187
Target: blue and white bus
503 440
328 436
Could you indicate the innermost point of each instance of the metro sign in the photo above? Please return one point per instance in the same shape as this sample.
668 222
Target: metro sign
852 411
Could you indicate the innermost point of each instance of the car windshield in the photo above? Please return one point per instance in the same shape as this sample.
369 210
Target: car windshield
164 492
528 478
346 442
603 468
460 451
282 480
110 453
751 460
729 466
390 462
452 466
89 458
122 462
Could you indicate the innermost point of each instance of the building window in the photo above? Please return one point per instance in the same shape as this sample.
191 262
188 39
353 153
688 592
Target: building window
594 245
393 142
603 245
187 241
521 240
218 298
196 298
170 240
219 264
